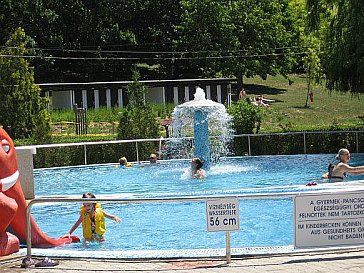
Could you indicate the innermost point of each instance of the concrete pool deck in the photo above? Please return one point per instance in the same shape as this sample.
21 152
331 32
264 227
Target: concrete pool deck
325 262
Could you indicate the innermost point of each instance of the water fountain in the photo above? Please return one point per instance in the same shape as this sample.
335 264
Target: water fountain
207 122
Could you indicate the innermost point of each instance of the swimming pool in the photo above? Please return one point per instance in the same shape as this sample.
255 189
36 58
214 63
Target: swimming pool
180 226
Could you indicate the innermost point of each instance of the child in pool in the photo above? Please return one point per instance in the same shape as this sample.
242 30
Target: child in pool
92 217
124 162
196 168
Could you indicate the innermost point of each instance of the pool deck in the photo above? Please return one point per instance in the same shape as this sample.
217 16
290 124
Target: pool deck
325 262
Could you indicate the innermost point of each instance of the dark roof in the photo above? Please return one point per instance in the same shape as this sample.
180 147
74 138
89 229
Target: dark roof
152 83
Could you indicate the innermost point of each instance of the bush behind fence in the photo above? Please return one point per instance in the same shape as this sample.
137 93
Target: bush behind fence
259 144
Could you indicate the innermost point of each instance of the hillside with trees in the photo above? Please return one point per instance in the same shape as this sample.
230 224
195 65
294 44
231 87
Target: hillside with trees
81 41
86 41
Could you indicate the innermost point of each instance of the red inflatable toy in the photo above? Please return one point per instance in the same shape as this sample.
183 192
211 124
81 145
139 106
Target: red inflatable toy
13 205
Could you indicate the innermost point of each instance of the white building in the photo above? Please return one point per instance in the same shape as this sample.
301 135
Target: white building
113 94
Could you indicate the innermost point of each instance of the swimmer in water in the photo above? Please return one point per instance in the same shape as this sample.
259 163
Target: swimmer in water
124 162
196 168
340 171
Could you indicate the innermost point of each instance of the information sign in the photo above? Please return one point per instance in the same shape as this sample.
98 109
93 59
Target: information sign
222 214
329 220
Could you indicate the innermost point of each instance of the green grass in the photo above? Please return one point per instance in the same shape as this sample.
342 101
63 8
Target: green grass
328 111
104 114
102 123
101 115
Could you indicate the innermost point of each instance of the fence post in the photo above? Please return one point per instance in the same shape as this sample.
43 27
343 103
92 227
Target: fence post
85 153
304 143
249 147
137 151
357 142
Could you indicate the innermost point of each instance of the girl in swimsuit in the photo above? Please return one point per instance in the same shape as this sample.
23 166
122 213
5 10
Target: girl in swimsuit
339 172
92 219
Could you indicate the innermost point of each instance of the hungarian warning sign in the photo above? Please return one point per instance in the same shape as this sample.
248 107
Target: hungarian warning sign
329 220
222 214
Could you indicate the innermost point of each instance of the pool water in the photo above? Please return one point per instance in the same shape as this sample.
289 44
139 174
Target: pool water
168 226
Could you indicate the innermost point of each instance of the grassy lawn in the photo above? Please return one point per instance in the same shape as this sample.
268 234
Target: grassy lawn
329 110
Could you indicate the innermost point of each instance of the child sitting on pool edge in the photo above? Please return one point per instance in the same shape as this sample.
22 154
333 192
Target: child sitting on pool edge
92 217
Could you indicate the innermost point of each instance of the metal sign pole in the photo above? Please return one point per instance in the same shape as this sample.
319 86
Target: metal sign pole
228 248
222 214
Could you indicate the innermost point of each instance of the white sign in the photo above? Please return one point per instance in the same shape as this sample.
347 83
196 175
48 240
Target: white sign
222 214
329 220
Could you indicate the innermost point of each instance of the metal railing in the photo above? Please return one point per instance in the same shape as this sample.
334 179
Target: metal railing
92 143
279 195
304 134
359 147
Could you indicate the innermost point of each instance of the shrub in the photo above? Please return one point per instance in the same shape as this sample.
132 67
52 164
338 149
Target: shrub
246 117
23 112
137 120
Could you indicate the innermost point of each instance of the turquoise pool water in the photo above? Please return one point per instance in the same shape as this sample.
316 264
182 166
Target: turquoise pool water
169 226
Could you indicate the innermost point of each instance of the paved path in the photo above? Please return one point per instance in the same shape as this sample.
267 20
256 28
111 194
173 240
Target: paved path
342 262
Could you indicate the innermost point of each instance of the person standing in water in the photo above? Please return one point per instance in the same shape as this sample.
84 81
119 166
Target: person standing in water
123 162
153 159
340 171
92 217
196 168
329 171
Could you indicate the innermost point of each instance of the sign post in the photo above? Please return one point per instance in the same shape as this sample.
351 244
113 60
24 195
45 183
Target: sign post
223 215
329 220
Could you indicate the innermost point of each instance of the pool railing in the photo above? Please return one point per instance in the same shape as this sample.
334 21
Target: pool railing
359 188
356 138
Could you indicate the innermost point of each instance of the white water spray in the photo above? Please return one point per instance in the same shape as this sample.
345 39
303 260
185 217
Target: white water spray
185 124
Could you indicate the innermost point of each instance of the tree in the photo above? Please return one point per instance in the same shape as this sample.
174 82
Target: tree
343 25
311 64
162 38
23 112
140 121
239 38
86 30
137 120
77 33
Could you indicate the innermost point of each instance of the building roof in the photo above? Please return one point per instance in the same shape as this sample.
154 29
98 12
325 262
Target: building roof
110 84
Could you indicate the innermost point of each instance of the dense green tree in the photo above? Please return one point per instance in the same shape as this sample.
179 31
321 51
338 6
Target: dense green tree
80 32
22 112
141 121
342 22
239 38
95 40
153 23
164 38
